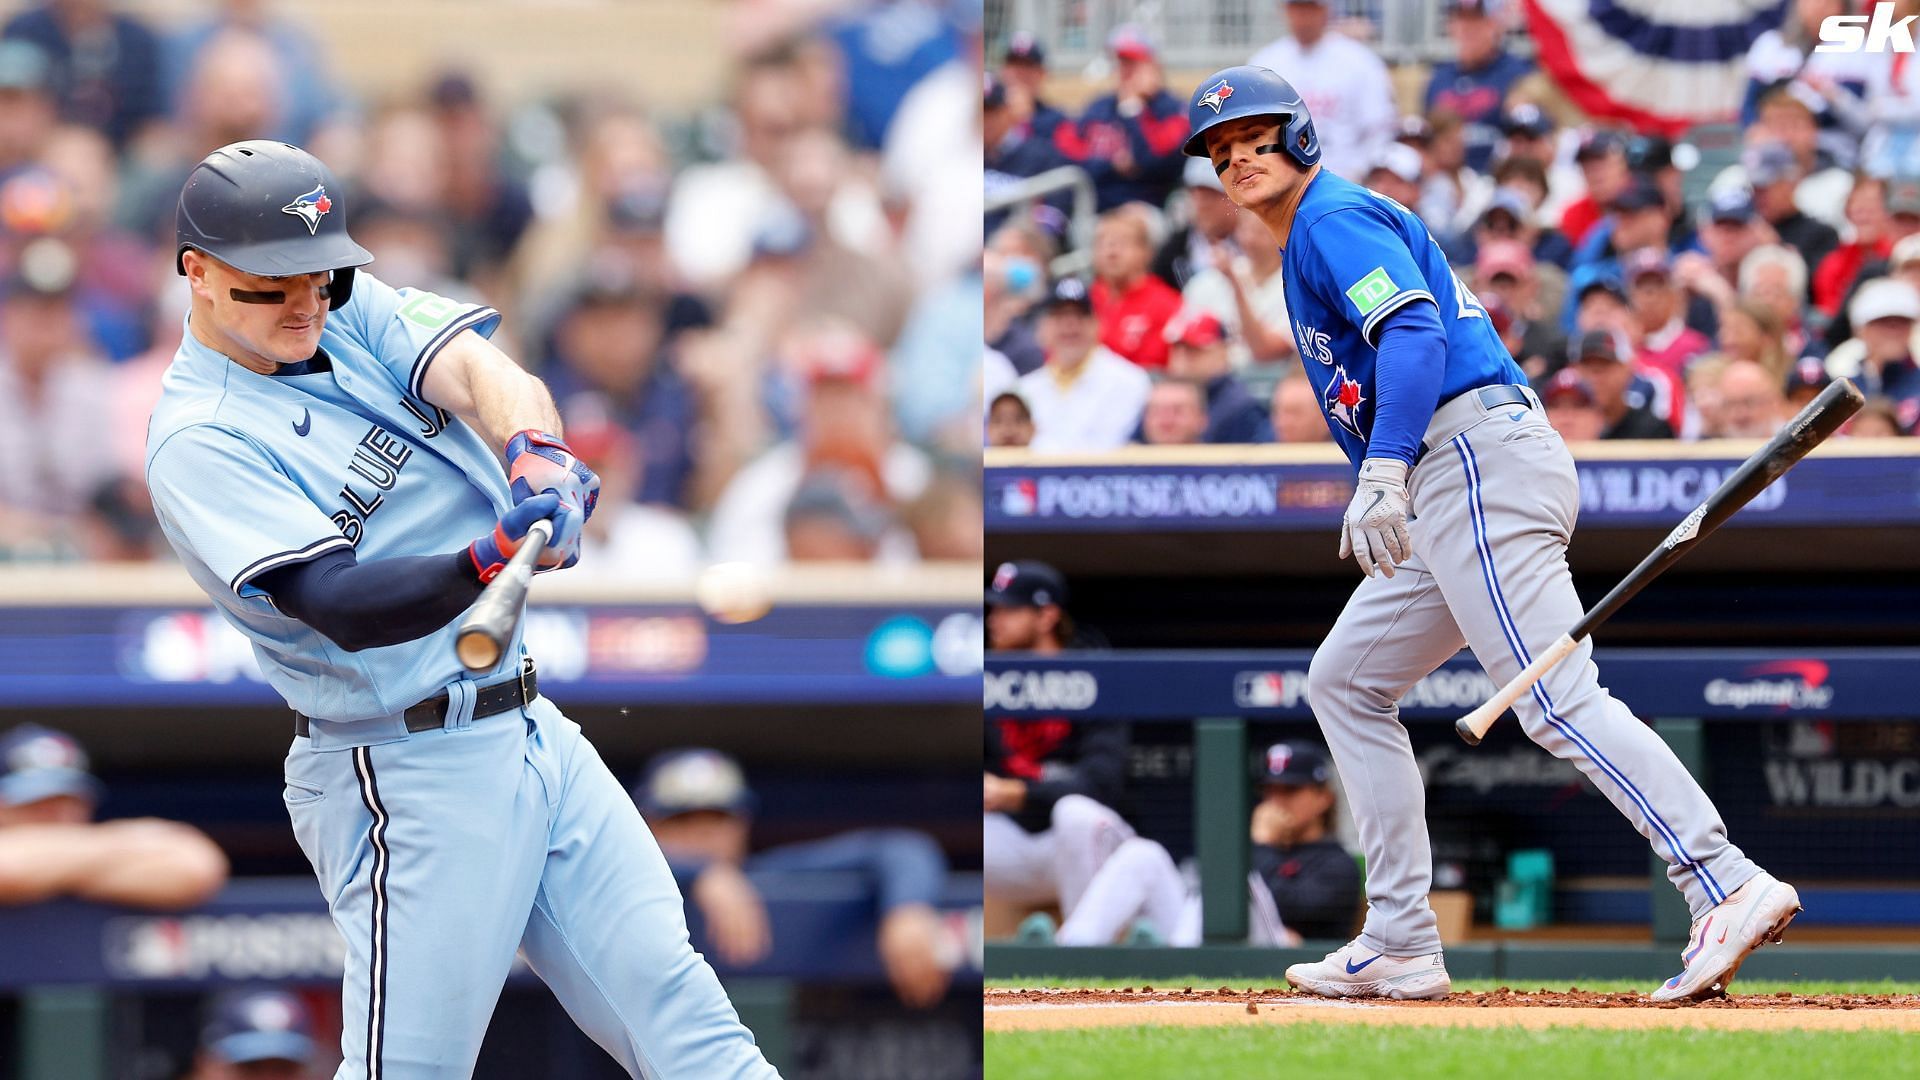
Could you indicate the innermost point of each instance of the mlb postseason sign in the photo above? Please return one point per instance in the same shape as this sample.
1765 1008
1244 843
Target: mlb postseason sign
1836 492
1749 684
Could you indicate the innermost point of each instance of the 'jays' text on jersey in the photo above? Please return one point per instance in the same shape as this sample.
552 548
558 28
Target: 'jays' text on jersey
1352 259
252 472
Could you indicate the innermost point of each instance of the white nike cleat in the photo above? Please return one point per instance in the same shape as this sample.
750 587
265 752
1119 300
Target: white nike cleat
1355 971
1757 913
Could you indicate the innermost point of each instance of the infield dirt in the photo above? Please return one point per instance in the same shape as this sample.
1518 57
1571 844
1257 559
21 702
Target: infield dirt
1050 1009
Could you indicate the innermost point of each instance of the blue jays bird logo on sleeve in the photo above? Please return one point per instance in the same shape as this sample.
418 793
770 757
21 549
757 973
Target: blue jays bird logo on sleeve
1342 400
1216 95
310 207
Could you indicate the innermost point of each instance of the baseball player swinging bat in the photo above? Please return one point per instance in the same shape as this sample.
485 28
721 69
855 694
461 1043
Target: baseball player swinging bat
1821 418
485 631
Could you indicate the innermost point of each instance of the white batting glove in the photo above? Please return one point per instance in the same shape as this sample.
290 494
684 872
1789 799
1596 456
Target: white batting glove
1374 530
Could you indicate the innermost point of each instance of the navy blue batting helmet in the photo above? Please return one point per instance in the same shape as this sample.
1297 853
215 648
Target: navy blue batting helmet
268 208
1244 91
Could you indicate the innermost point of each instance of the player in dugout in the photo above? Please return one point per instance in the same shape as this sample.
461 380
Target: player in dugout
257 1034
51 847
1303 884
701 811
1050 783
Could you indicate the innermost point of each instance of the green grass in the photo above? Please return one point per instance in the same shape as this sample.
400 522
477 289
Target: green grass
1210 982
1306 1050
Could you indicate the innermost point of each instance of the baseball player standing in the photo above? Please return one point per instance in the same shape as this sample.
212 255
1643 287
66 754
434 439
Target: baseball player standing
1461 515
324 454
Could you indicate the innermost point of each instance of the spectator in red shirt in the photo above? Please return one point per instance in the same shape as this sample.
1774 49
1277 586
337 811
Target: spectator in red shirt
1602 158
1129 141
1667 343
1868 237
1132 305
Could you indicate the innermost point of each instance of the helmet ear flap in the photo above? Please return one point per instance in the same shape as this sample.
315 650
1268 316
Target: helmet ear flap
339 288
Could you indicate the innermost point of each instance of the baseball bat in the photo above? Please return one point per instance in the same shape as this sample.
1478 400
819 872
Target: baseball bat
1821 418
489 625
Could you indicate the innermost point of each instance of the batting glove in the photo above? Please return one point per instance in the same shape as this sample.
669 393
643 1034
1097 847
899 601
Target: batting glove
491 552
538 462
1374 530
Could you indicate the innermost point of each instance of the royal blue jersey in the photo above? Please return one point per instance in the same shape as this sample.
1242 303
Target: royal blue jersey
1352 259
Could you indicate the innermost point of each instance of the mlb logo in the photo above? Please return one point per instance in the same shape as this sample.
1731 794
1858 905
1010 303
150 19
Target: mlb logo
1279 755
1260 690
1020 498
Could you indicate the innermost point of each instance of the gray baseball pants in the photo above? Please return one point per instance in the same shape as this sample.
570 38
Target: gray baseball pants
1494 500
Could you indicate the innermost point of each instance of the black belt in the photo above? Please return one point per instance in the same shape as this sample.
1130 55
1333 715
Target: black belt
1493 397
428 715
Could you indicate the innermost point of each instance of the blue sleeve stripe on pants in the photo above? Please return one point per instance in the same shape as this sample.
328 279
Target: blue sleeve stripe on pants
1472 466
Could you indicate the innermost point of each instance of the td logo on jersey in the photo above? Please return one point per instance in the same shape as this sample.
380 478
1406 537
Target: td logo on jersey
1879 32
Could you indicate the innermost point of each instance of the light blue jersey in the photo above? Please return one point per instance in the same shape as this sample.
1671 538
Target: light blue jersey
1353 258
252 472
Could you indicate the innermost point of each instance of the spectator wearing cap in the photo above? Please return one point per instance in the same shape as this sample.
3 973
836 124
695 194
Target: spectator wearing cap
1529 131
1506 272
1132 305
1880 357
1730 229
1866 237
1207 236
1571 406
106 66
1790 115
1511 216
1753 331
1625 396
28 111
1302 882
1296 412
1475 83
1602 157
1667 343
1775 175
607 350
834 516
257 1034
1526 183
1009 421
1345 84
1129 140
1656 158
52 384
1024 67
701 811
1636 218
51 847
1050 783
1805 379
844 422
1245 292
1199 354
628 539
1752 403
1086 397
1397 173
1011 152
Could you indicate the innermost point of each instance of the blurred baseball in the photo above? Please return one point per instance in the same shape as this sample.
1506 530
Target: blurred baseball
733 592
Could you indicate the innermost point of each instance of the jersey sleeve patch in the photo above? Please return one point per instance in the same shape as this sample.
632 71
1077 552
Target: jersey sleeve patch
1371 291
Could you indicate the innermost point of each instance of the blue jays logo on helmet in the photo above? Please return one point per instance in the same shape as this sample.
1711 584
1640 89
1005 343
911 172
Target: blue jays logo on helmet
310 207
1342 401
1240 92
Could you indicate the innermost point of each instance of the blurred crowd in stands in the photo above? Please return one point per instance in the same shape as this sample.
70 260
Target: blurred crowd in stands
1651 288
757 316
